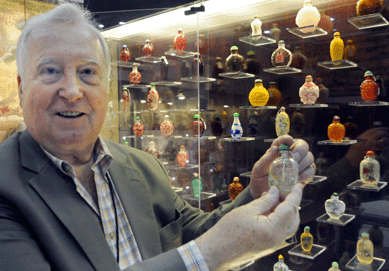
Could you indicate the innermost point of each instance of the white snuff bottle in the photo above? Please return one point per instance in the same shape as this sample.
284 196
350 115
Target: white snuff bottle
283 172
369 169
334 207
236 128
280 265
308 16
256 27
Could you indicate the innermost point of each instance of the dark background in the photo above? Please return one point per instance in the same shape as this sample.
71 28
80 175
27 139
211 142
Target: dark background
111 12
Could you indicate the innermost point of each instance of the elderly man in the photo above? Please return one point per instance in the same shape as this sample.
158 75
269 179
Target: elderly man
72 201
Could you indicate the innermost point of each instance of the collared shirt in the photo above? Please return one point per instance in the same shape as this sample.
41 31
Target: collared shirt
129 253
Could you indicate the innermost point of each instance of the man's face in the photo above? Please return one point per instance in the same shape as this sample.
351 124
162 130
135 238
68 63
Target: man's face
64 98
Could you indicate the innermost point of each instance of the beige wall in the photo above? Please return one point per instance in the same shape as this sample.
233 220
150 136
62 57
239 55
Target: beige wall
13 14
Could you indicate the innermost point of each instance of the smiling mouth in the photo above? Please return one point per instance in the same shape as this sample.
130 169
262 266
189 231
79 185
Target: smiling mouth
70 114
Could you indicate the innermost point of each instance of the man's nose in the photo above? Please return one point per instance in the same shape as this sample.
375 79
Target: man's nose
71 88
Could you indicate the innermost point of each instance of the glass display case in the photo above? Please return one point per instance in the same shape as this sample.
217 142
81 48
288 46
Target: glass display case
189 91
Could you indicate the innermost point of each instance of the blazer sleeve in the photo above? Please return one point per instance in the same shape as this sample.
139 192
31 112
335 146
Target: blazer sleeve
18 248
195 221
166 261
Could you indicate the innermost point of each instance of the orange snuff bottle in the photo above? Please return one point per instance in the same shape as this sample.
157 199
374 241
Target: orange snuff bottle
369 87
336 130
235 188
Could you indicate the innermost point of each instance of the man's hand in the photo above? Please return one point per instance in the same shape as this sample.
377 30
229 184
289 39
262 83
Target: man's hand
252 230
300 149
375 139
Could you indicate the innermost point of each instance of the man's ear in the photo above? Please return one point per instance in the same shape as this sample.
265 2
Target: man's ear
20 89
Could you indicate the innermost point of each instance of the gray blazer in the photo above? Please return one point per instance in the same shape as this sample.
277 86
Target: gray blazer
46 225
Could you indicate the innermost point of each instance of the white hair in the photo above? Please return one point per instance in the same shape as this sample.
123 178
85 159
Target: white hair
63 14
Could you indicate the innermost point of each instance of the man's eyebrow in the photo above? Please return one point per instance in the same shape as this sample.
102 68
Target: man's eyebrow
91 61
46 60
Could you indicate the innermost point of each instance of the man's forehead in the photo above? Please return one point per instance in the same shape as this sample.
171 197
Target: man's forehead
68 30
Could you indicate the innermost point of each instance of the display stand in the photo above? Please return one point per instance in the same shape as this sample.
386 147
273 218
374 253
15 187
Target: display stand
270 140
179 53
137 86
203 197
372 103
315 251
242 266
368 21
376 265
149 59
359 185
341 221
200 79
314 31
177 167
123 64
258 107
282 70
236 75
317 179
337 64
259 40
344 142
309 105
243 139
167 83
225 202
176 189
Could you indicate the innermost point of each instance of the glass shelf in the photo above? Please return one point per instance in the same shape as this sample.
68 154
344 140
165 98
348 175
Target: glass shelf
123 64
314 31
376 265
309 105
242 266
315 251
179 53
344 142
176 189
236 75
149 59
282 70
373 103
225 202
338 64
258 107
270 140
196 79
368 21
177 167
243 139
342 221
167 83
203 196
173 111
172 136
359 185
317 179
137 86
245 174
259 40
202 110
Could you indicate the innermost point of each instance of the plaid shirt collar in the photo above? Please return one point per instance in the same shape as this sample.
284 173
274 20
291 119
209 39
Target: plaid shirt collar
101 155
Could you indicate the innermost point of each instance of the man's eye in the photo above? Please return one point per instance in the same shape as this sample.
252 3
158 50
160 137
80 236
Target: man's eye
50 71
88 72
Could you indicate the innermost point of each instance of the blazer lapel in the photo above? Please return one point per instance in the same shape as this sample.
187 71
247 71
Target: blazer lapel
59 193
136 202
